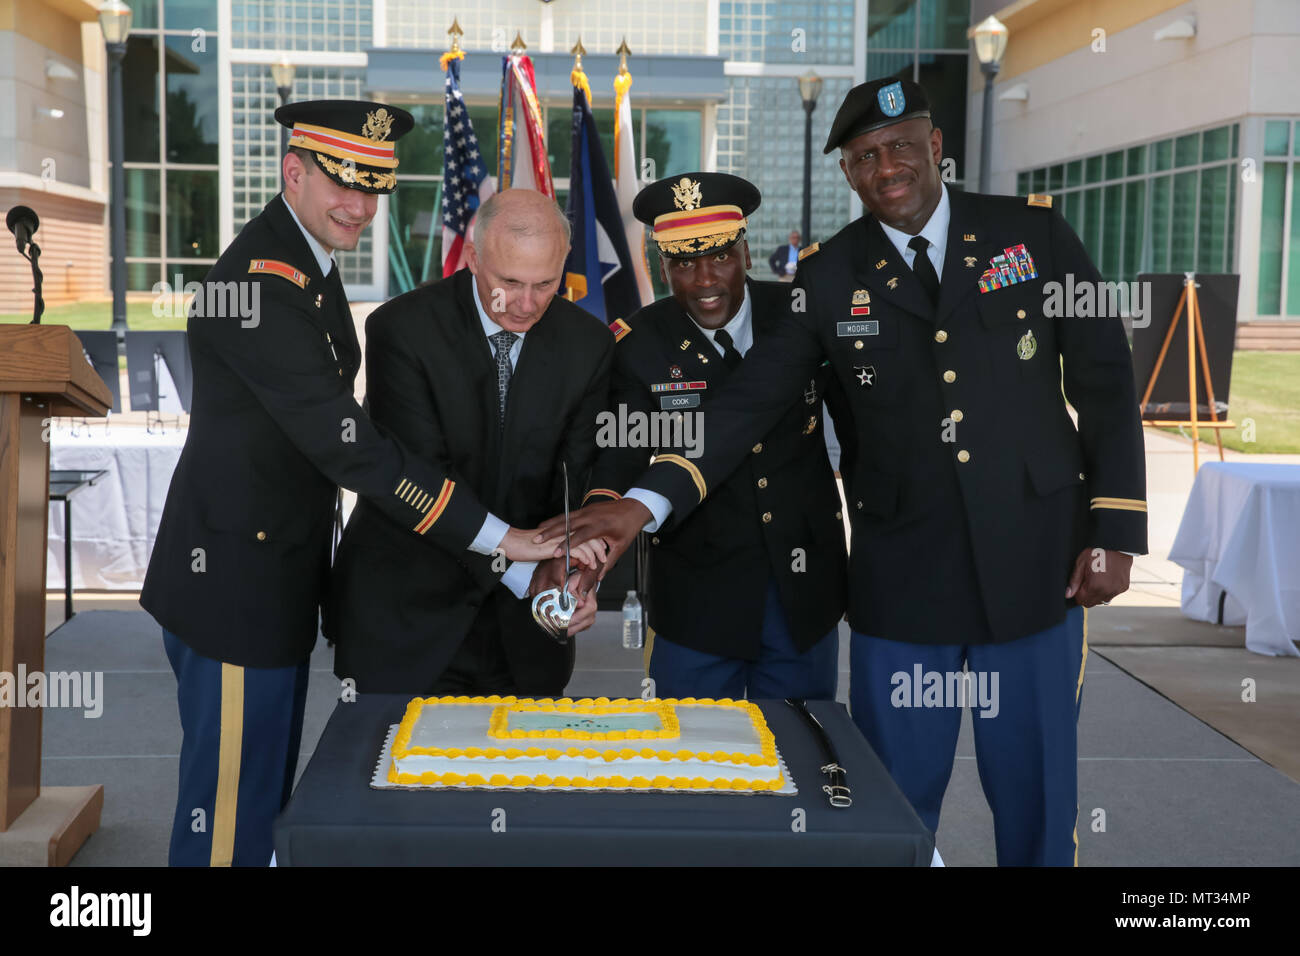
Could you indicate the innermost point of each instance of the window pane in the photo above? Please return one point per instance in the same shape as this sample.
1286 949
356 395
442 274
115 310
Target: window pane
1134 231
416 253
484 119
178 274
1186 149
1112 234
1137 160
1074 210
1236 127
188 14
1213 216
1272 209
191 102
144 15
1293 258
1074 173
143 208
1164 155
1055 178
142 276
943 24
1092 222
1115 164
1038 180
419 152
1092 169
944 79
1022 184
1229 256
891 26
1276 133
1160 204
192 214
140 100
559 138
1215 144
672 140
900 65
1182 250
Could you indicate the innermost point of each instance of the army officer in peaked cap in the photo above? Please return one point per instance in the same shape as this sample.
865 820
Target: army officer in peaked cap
242 556
983 520
745 593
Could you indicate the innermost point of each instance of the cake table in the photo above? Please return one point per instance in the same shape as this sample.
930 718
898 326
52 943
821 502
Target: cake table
335 818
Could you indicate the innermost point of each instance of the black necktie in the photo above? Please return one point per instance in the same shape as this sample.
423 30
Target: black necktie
502 342
924 268
730 357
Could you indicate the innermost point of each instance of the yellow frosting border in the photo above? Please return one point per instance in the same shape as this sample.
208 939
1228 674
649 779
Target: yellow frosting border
498 725
765 757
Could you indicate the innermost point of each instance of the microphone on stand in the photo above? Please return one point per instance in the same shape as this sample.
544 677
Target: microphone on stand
23 223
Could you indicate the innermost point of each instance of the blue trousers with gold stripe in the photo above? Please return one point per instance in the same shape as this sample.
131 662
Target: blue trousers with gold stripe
1026 748
782 670
242 730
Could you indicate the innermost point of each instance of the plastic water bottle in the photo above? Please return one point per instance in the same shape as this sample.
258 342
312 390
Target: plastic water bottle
632 622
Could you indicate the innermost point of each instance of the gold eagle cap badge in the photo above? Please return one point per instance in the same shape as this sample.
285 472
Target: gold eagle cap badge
378 125
686 194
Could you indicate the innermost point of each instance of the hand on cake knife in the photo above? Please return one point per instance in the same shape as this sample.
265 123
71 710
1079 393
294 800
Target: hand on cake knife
554 607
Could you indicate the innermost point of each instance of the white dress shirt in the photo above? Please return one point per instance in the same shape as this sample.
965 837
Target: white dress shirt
935 230
323 259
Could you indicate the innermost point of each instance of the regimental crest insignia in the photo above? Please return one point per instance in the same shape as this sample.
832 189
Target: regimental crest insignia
378 125
891 99
675 371
811 426
1027 346
686 194
893 282
866 375
861 297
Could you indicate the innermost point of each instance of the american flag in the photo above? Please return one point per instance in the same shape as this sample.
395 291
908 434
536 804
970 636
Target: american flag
465 182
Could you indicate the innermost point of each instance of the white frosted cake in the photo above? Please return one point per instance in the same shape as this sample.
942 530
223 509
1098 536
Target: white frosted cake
684 744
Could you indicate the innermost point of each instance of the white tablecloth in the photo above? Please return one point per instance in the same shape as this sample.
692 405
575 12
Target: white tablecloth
1240 534
114 521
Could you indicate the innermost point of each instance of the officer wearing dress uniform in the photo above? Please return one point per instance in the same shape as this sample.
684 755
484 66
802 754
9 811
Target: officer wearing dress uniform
241 560
983 520
744 594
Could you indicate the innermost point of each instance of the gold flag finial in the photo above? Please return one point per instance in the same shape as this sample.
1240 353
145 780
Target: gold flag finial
519 46
455 33
623 52
578 52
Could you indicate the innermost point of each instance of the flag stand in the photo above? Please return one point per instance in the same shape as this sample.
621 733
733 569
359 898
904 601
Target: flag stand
1195 346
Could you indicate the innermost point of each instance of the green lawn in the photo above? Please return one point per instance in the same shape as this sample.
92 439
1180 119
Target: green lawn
88 316
1265 389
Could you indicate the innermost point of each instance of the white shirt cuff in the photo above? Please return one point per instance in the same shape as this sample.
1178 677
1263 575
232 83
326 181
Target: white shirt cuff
657 504
489 536
518 577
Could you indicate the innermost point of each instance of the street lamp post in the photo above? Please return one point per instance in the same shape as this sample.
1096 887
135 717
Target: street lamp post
115 22
282 75
810 87
990 46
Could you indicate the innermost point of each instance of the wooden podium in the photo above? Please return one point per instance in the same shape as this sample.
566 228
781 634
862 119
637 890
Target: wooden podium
43 373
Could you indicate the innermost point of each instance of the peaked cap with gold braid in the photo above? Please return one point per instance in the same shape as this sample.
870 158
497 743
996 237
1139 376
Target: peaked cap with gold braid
696 214
352 141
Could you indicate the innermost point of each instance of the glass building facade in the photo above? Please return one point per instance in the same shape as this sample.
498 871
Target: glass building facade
204 149
1279 231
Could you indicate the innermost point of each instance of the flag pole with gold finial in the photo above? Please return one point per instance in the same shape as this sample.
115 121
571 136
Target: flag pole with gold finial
455 53
577 76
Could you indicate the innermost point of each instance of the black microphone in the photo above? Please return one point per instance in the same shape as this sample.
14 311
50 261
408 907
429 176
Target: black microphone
22 222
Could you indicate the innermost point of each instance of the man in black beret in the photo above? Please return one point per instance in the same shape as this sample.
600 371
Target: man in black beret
984 520
745 594
239 568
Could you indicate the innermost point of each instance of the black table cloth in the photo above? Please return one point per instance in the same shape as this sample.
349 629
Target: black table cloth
335 818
